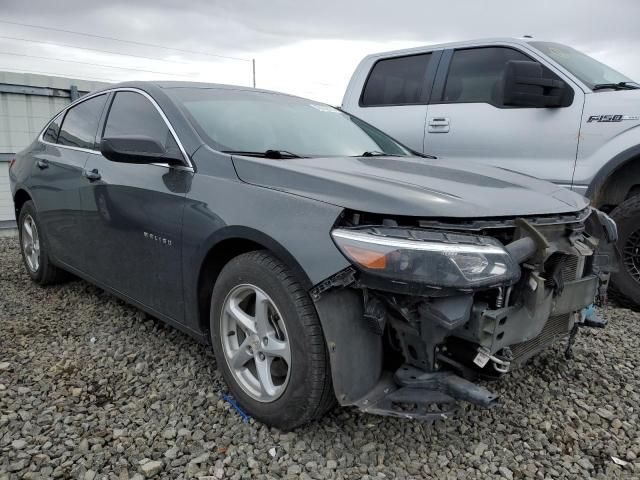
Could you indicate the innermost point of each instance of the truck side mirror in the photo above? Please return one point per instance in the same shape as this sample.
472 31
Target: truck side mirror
524 84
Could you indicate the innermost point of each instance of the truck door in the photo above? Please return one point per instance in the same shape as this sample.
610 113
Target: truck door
396 94
467 119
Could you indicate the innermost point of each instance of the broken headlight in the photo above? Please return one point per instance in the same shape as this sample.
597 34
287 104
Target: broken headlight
434 258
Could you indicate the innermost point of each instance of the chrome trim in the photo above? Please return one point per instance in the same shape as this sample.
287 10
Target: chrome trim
173 167
70 147
420 245
186 158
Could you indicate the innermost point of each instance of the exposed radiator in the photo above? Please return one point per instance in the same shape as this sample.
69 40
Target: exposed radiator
555 327
569 272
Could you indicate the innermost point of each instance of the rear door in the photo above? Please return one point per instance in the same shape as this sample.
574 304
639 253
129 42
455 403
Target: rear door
134 212
468 121
58 177
396 94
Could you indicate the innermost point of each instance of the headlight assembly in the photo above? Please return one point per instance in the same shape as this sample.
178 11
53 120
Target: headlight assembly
433 258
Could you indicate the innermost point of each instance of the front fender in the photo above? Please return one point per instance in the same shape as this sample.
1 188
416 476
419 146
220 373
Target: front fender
294 228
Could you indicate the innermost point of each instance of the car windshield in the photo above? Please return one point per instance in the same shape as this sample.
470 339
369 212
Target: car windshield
259 122
587 69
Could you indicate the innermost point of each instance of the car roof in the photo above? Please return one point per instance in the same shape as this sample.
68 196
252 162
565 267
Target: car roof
169 84
465 43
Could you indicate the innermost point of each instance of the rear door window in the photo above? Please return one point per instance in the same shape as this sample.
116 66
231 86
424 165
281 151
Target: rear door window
397 81
80 123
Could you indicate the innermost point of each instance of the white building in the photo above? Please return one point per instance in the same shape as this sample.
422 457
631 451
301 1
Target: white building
27 102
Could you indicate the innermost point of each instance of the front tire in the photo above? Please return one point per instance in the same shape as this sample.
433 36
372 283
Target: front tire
626 282
35 248
268 342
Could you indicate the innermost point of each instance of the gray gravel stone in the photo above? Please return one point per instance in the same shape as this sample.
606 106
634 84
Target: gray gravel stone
71 406
18 444
150 468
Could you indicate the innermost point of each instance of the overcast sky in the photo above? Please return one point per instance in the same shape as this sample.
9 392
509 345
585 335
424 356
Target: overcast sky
305 47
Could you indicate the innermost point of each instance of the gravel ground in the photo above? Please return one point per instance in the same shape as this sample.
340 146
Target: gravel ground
91 388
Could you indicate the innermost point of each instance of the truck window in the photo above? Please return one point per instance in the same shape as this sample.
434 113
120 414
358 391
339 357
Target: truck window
475 74
396 81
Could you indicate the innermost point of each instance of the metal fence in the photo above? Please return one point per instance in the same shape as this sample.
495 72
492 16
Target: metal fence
27 102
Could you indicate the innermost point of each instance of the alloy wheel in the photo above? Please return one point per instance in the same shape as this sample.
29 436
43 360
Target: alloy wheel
31 243
255 343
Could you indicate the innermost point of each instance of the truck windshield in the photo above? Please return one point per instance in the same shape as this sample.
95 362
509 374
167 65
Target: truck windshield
587 69
261 123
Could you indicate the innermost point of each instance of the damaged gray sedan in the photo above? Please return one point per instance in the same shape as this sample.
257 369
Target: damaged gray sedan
323 260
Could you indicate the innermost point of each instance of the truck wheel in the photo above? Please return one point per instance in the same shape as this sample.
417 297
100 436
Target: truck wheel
35 249
626 282
269 343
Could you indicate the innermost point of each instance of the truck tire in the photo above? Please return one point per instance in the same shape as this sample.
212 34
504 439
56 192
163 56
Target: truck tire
274 359
35 248
625 284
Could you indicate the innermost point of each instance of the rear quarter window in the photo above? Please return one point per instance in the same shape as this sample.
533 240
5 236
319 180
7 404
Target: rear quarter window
51 133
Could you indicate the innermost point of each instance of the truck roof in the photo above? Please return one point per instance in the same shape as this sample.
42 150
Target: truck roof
465 43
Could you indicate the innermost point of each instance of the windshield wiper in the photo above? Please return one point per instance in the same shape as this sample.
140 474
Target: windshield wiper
423 155
275 154
616 86
376 153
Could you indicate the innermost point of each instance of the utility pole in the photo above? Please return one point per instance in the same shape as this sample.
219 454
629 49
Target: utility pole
253 64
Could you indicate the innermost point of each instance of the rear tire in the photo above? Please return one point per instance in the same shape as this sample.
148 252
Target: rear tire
299 391
625 284
35 248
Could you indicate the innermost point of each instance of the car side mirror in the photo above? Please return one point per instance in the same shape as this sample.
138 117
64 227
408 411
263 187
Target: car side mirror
137 149
524 84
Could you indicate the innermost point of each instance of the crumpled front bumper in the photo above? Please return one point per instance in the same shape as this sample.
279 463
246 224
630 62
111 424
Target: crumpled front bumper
417 355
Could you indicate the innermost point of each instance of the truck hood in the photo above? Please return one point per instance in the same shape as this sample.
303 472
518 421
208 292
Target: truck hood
411 186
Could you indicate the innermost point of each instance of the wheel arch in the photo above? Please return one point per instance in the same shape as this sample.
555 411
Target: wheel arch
19 199
228 244
617 180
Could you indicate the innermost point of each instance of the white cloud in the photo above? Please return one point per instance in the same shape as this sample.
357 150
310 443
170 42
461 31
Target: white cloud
302 47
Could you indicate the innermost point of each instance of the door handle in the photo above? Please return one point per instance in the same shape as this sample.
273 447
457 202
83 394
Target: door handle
92 175
42 164
438 125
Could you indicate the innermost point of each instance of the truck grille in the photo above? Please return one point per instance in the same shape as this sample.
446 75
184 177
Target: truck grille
555 326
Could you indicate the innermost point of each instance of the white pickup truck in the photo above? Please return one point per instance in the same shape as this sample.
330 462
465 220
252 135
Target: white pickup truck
539 108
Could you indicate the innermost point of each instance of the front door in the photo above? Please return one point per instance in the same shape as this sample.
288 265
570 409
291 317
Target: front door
134 213
466 120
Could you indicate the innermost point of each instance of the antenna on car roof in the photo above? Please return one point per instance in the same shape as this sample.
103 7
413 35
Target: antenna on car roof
527 36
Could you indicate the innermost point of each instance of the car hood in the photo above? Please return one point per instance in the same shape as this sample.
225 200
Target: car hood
411 186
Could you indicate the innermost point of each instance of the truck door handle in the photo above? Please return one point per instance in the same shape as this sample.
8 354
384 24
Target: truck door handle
438 125
42 164
92 175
